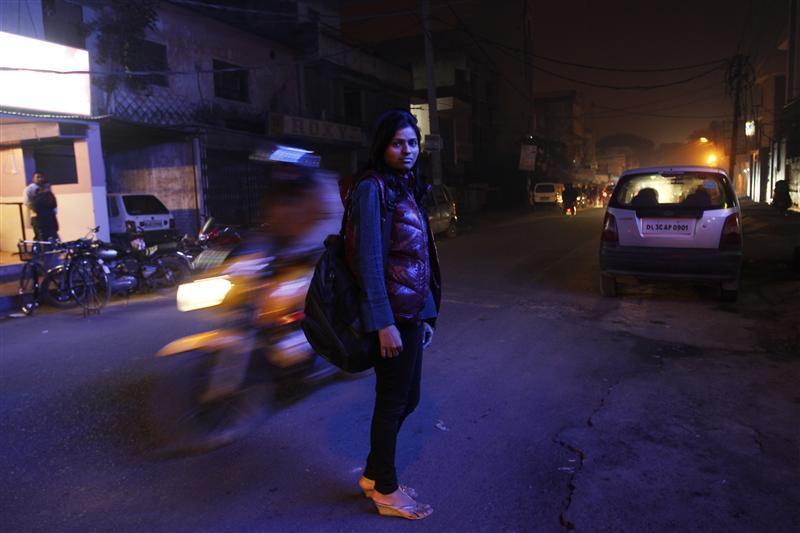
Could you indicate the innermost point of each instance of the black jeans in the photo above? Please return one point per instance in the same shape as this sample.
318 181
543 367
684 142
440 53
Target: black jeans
396 396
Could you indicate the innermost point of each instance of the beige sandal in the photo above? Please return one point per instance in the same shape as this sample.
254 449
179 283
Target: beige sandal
414 511
368 486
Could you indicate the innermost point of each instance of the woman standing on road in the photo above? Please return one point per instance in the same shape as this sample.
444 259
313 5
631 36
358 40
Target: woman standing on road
391 250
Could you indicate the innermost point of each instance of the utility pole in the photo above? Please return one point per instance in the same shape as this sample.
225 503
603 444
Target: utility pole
433 114
527 58
735 74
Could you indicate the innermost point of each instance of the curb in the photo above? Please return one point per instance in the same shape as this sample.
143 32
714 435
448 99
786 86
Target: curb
9 273
8 303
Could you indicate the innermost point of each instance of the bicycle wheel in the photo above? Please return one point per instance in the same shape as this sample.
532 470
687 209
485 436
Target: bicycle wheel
55 288
29 288
89 286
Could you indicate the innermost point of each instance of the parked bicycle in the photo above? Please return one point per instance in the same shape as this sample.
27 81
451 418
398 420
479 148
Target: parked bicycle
37 255
80 277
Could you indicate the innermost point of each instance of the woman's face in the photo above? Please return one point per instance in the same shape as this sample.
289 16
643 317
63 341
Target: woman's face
402 152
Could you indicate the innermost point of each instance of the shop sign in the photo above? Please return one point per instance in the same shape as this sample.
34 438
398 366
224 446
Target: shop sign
286 125
43 76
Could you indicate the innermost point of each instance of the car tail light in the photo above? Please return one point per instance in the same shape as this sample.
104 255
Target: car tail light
130 226
610 233
731 233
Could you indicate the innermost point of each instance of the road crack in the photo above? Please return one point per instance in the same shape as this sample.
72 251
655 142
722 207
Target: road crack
609 390
581 455
562 517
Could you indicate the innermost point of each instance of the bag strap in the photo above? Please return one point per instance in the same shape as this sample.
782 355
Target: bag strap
384 207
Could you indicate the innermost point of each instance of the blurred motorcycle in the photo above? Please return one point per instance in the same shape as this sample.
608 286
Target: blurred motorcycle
222 381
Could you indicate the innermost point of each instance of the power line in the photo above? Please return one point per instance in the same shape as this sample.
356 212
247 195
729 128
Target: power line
676 106
466 30
623 87
669 98
507 50
607 68
293 16
510 48
543 57
169 72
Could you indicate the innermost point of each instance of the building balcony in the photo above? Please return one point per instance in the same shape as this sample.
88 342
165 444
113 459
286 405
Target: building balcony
156 109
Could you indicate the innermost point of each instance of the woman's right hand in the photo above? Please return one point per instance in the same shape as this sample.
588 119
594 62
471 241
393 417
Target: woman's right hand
391 343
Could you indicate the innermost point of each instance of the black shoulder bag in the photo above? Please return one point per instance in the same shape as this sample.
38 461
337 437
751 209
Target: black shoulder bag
332 322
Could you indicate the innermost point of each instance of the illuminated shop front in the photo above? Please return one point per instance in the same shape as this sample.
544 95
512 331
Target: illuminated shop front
45 125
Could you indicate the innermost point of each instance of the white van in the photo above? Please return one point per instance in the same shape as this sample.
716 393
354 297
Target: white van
547 193
128 212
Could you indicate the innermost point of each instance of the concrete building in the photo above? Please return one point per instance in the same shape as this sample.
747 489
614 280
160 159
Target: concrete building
774 150
561 123
274 72
615 160
184 125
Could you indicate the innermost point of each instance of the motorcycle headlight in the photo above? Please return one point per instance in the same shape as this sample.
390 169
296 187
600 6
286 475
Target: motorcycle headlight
203 293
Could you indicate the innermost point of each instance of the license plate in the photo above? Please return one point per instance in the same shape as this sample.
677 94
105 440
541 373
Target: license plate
653 226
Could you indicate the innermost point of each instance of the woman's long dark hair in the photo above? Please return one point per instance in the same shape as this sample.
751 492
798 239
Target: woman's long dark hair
387 126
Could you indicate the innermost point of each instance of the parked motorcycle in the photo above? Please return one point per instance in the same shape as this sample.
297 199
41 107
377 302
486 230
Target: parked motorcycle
212 234
221 239
218 383
134 266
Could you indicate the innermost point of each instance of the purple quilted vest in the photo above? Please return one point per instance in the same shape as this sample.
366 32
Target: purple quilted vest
408 272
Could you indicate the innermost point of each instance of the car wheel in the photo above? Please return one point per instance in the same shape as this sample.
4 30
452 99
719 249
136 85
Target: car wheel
608 286
452 229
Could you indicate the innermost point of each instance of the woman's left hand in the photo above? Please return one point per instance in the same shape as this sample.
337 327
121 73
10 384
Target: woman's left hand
427 335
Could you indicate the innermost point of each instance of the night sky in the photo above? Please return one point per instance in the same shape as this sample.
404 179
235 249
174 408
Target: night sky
620 34
646 34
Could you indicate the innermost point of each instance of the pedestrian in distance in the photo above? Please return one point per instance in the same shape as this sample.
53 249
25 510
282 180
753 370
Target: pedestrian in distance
391 251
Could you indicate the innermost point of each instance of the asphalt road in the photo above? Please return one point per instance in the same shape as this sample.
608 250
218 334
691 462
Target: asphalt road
544 407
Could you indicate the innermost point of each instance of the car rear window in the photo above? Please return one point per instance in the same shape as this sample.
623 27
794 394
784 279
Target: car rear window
705 190
144 204
545 187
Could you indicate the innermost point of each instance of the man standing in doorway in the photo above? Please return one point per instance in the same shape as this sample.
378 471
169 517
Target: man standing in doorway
28 196
42 208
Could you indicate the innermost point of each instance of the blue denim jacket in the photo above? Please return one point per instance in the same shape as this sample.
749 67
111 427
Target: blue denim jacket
376 313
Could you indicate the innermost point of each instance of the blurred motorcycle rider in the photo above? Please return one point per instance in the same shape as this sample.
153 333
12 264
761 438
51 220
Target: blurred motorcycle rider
301 209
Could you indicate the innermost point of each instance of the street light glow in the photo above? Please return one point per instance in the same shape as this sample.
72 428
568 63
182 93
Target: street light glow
712 159
703 140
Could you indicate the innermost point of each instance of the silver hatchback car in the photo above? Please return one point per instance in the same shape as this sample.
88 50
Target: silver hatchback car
681 223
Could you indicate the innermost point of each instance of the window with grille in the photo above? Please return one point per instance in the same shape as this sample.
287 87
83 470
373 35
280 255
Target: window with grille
149 56
230 84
